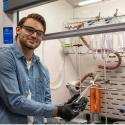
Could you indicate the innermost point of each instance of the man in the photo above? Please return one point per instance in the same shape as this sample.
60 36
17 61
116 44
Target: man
24 81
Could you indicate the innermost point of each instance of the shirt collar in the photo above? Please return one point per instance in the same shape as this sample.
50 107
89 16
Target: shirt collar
18 52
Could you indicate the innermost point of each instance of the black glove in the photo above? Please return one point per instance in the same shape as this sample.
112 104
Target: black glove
73 98
82 102
68 111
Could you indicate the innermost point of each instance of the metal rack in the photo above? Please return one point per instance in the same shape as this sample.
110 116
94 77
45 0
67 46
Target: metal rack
87 31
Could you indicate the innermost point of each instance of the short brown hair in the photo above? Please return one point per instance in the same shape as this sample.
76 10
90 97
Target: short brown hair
34 16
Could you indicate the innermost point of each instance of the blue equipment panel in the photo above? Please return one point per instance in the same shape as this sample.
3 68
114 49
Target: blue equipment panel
8 35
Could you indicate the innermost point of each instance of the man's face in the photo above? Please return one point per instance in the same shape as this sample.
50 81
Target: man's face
30 34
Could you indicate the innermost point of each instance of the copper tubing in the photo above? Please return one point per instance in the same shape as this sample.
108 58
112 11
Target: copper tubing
101 50
95 94
83 79
86 44
115 53
95 99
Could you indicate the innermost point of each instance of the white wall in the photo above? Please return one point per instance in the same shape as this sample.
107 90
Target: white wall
55 14
106 8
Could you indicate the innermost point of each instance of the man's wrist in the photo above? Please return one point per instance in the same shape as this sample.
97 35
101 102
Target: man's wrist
55 112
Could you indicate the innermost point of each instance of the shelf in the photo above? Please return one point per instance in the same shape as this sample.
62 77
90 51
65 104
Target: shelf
87 31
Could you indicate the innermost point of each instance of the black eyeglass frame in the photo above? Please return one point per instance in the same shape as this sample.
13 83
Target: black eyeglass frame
33 30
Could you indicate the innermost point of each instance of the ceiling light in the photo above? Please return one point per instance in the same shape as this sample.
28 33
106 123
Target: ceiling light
86 2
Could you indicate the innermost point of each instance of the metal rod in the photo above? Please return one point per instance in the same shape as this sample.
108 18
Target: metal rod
83 93
121 90
87 31
93 18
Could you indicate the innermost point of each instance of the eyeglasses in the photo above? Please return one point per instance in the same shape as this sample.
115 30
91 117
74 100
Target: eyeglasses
32 30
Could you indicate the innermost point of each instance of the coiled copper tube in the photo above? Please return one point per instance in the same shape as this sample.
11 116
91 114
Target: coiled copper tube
95 99
101 50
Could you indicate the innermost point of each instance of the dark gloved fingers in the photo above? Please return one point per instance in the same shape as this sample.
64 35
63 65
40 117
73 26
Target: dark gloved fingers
68 111
73 98
83 102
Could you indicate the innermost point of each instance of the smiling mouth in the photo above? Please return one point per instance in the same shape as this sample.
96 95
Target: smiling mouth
32 41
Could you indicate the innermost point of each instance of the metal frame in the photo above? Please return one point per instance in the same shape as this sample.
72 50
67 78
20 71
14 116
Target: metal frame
87 31
13 5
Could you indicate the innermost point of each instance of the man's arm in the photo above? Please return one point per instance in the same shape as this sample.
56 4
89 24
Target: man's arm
11 96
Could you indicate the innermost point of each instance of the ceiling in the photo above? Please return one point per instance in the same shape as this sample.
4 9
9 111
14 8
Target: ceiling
74 3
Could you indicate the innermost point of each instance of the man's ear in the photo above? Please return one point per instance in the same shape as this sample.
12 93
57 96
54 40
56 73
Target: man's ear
18 30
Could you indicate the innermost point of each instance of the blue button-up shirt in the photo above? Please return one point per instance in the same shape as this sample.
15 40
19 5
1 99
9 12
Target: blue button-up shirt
16 81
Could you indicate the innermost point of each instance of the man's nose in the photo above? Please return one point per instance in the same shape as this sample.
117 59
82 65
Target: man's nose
34 34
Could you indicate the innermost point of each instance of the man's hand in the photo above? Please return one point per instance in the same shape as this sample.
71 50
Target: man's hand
72 108
82 102
73 98
68 111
